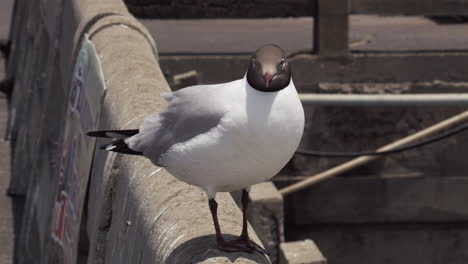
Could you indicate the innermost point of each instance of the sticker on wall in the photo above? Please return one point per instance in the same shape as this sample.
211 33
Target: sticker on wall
77 152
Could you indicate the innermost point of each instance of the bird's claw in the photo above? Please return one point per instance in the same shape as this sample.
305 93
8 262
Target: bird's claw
241 245
255 247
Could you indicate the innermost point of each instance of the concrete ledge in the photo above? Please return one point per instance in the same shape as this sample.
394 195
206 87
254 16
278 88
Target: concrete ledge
301 252
149 215
135 212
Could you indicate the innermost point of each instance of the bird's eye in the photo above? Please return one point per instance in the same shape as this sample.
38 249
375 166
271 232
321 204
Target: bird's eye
282 63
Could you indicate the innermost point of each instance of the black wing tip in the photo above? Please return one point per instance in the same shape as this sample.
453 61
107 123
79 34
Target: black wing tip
93 133
104 146
113 133
120 146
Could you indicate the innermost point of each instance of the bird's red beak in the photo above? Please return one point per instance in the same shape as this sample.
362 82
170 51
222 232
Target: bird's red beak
267 77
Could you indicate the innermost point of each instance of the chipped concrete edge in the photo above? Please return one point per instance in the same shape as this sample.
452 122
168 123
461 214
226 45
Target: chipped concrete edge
147 214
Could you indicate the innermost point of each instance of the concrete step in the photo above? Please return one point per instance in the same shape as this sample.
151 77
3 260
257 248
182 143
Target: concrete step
387 244
397 198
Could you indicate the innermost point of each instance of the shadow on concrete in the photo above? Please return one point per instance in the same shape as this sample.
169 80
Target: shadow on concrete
448 20
197 246
17 203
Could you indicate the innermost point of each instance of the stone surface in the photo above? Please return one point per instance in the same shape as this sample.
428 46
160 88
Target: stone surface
301 252
142 212
7 217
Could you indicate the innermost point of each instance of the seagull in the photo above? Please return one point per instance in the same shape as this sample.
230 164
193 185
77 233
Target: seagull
224 137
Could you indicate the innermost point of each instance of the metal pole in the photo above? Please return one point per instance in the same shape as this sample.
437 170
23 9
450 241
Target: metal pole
384 99
463 117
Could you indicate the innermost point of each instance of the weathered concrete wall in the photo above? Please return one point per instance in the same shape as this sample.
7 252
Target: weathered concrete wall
133 211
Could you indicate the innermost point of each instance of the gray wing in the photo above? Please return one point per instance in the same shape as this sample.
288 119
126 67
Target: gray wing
190 112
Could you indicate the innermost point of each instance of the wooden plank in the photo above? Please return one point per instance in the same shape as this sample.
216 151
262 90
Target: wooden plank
382 200
410 7
331 26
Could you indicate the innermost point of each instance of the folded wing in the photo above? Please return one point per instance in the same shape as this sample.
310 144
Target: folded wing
190 112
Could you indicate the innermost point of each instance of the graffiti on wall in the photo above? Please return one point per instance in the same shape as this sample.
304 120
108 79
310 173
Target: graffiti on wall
77 152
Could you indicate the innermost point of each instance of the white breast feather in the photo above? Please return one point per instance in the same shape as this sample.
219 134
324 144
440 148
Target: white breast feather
253 141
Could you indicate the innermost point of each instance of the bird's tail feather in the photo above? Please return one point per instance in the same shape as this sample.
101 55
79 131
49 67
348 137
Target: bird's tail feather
118 144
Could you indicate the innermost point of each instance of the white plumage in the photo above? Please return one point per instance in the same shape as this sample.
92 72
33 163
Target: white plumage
256 136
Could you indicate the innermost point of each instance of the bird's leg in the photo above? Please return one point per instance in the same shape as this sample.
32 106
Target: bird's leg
229 246
245 204
244 236
222 244
214 213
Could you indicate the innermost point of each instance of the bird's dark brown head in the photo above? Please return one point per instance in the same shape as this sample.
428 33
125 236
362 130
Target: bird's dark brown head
269 69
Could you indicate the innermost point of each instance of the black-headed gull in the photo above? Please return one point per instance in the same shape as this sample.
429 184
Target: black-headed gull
224 137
